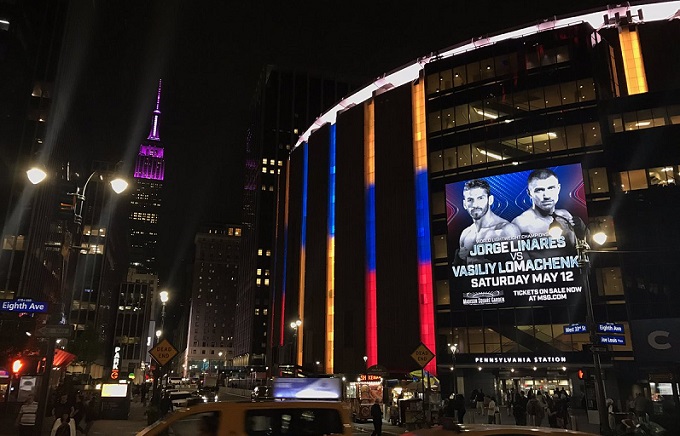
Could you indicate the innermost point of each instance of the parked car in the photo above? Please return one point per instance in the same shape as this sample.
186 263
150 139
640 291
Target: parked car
183 398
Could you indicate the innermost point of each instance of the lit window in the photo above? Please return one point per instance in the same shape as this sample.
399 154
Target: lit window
268 253
280 163
264 170
259 252
259 271
264 161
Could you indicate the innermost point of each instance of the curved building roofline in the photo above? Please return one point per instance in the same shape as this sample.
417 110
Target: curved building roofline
652 11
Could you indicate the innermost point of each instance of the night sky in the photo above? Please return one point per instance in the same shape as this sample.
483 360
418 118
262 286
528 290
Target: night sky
209 55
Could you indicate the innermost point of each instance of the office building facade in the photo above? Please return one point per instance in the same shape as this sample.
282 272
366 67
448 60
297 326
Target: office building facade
213 300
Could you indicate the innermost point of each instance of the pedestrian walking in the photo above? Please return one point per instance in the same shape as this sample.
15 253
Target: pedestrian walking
519 408
491 411
27 415
376 414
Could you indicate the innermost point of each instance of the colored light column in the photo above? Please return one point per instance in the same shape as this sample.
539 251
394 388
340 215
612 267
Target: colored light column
285 256
425 293
633 64
303 243
371 286
330 264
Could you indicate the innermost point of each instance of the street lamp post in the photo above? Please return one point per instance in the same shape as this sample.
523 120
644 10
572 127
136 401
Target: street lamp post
37 175
582 250
295 325
164 299
454 350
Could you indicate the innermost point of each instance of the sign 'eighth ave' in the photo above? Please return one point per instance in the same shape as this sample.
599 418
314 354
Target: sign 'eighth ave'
164 352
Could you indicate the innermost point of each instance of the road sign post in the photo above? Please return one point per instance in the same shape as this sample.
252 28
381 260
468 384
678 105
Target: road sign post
422 355
162 353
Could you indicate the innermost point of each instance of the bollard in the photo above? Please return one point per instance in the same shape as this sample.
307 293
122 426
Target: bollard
573 422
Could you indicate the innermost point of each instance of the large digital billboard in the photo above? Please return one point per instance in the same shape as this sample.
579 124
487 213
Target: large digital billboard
500 250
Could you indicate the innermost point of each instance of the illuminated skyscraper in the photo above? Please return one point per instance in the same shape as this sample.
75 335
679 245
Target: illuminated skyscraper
146 198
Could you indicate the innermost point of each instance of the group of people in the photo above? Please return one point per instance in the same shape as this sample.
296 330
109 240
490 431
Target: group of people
536 406
70 416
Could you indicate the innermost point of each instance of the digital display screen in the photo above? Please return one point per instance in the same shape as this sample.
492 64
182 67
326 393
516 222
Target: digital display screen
502 246
114 390
308 388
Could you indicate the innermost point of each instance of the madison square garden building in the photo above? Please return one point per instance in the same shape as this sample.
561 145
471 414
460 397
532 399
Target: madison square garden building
387 247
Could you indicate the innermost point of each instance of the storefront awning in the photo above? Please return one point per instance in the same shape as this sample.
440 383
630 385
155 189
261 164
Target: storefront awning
62 358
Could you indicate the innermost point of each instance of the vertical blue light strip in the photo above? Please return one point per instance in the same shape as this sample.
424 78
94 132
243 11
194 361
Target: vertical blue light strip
331 185
370 228
422 218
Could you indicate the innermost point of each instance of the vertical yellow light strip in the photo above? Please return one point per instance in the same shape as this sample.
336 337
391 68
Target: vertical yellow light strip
633 64
330 261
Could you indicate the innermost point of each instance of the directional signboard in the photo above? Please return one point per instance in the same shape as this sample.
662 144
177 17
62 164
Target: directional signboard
54 331
163 352
422 355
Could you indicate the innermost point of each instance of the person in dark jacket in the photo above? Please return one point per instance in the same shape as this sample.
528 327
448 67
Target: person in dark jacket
460 407
519 408
376 414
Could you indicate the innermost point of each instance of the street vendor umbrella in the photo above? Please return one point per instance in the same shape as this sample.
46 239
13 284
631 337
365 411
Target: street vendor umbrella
419 375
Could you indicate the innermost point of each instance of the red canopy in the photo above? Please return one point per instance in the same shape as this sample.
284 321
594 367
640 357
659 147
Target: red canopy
62 358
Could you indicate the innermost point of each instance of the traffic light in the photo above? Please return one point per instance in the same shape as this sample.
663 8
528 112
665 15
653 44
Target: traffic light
66 205
581 374
16 366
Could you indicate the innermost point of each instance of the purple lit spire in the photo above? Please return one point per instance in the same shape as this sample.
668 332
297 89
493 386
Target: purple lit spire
153 134
150 163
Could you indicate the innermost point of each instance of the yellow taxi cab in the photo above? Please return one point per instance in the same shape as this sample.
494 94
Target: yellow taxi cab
453 429
256 418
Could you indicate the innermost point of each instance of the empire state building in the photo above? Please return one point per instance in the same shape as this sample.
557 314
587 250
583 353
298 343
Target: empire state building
145 204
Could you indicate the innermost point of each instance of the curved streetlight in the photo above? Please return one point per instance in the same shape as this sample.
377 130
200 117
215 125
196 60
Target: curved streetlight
582 250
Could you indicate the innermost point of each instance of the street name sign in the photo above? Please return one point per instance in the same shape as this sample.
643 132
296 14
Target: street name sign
164 352
610 328
613 340
575 328
54 331
422 355
23 306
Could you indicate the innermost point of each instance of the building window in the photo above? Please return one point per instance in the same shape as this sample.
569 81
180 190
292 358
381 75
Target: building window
609 281
633 180
440 247
443 296
598 182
